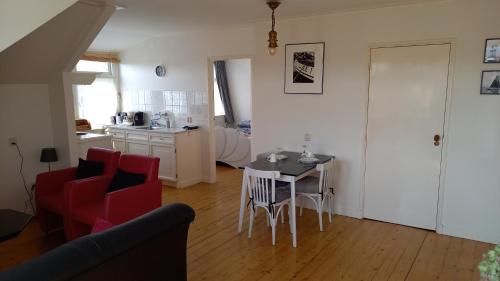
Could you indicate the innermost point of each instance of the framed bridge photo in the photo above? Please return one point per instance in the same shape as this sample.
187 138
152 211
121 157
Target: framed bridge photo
490 82
304 66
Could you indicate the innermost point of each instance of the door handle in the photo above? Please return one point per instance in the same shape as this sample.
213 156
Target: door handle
437 140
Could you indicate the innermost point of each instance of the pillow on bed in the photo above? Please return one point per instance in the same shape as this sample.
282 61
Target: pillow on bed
244 124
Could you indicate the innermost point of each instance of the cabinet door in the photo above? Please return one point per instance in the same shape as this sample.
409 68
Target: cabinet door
116 134
166 153
137 148
119 145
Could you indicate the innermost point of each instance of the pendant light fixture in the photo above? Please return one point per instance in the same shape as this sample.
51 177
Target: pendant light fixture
273 35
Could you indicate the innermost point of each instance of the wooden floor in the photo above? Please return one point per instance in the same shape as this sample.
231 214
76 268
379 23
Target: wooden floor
348 249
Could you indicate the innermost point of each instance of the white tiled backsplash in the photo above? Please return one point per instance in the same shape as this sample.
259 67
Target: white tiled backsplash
182 104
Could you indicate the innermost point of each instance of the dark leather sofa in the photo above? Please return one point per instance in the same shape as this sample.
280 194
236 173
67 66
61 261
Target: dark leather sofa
150 247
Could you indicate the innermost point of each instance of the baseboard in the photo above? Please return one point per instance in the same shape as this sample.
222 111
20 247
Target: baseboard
180 184
353 213
471 234
208 180
187 183
168 183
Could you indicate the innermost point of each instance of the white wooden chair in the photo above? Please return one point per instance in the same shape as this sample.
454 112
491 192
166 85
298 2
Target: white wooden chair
263 193
319 190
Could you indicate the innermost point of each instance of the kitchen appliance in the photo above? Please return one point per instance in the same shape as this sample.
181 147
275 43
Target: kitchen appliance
139 119
121 117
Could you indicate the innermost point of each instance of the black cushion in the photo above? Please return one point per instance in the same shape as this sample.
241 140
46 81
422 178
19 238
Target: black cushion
124 179
87 169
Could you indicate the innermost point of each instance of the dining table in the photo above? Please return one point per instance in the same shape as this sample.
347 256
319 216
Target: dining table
291 170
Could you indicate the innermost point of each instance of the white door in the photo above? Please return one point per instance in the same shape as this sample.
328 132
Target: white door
407 99
166 153
138 148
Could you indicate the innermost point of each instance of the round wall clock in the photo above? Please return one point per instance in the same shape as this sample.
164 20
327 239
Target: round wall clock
160 71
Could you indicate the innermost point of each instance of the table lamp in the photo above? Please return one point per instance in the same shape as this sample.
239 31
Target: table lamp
48 155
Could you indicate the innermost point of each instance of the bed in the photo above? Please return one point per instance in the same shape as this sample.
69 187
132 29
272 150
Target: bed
233 146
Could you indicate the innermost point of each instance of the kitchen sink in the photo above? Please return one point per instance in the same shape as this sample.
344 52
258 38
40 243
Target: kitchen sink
150 128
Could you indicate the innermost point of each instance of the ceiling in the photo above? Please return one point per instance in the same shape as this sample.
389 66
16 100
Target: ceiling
144 19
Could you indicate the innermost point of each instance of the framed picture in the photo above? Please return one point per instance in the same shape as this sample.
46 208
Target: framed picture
492 51
490 82
304 68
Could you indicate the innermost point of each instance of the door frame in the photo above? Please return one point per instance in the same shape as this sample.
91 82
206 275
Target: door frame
211 115
447 116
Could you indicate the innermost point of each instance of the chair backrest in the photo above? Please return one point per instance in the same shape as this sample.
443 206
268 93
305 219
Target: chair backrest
108 156
261 185
120 253
140 165
325 175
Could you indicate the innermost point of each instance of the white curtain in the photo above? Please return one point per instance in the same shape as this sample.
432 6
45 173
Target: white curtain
97 102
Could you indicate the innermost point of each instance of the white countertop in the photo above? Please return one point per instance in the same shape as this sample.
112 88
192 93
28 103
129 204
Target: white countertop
91 137
141 129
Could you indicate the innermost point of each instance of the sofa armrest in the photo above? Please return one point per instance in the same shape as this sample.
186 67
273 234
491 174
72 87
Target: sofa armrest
128 203
81 192
51 182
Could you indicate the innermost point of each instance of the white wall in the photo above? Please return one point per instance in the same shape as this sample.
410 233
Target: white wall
35 103
25 111
337 119
239 79
21 20
186 59
42 56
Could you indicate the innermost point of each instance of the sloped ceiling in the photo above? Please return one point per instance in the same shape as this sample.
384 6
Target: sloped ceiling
144 19
20 17
55 46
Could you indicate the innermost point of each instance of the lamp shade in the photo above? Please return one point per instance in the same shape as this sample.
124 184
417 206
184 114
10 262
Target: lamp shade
48 155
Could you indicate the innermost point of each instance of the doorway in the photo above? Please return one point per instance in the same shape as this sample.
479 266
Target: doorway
230 90
406 122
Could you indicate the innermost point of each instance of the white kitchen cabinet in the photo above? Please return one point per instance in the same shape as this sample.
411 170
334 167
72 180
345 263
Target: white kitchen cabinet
179 151
138 148
137 136
168 164
117 134
119 145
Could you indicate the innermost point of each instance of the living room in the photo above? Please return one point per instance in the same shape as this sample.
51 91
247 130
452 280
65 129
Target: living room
341 118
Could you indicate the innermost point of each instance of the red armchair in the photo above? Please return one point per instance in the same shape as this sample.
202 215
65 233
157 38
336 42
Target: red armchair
87 200
50 186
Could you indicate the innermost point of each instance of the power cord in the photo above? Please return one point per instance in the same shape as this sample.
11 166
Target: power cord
28 203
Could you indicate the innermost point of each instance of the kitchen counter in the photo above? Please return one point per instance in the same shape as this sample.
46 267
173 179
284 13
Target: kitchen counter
179 150
88 140
87 137
143 129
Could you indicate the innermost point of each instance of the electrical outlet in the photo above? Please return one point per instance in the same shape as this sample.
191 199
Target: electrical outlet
12 140
307 136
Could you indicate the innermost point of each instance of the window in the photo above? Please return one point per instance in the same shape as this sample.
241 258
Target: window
93 66
99 101
218 106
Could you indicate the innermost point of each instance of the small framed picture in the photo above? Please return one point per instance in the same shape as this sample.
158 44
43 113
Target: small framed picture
304 66
490 82
492 51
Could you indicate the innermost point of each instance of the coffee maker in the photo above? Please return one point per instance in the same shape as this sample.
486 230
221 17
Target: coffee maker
139 119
